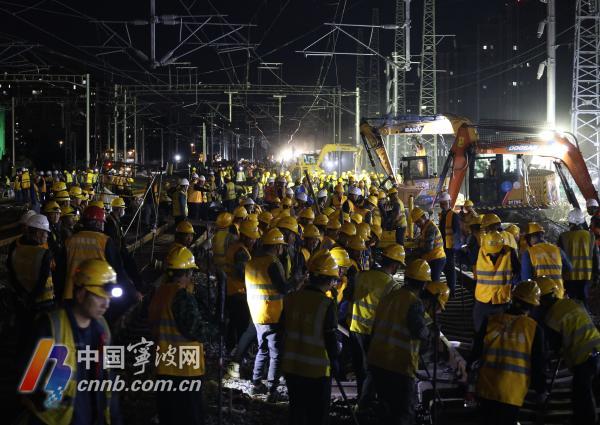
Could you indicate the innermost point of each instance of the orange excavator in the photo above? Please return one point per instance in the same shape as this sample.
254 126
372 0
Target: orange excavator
493 156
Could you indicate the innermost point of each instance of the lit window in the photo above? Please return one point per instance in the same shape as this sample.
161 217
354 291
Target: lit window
514 83
515 48
484 47
528 65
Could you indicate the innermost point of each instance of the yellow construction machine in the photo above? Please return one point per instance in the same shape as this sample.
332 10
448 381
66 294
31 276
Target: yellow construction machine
330 158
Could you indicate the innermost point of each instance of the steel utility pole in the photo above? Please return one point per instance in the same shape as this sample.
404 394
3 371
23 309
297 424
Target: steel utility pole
585 107
87 120
12 114
116 116
551 65
428 92
124 126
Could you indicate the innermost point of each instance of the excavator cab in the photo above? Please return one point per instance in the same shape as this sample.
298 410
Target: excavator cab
492 178
414 168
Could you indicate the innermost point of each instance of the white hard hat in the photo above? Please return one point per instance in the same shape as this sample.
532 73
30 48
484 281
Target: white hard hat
444 197
184 182
322 193
95 170
355 191
39 221
195 176
591 203
270 180
202 178
302 197
48 173
289 191
576 216
55 171
249 201
28 214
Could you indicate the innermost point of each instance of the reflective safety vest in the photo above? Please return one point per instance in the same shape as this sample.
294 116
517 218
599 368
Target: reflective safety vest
235 284
62 333
264 301
369 287
84 245
168 337
89 179
194 196
449 232
176 205
506 368
260 190
580 337
26 262
230 191
220 243
438 244
17 183
401 219
305 353
25 180
579 246
546 261
494 278
391 346
509 240
68 178
376 217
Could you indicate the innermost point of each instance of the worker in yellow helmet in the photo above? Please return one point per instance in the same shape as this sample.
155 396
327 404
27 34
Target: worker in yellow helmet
497 268
399 329
368 288
570 331
79 323
176 322
470 250
580 246
395 217
225 235
310 342
542 258
311 241
450 227
113 227
430 245
266 285
510 351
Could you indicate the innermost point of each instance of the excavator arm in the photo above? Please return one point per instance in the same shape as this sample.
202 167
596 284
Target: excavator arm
373 143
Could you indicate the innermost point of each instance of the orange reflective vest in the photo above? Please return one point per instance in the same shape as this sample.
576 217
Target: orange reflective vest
84 245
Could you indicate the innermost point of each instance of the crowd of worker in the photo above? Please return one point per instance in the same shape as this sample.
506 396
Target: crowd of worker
330 276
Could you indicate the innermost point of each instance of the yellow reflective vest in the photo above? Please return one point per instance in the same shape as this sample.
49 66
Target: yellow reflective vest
25 180
83 245
264 300
62 333
391 346
506 368
438 244
230 191
494 278
220 243
26 262
369 287
194 196
449 232
579 247
167 336
177 206
580 337
305 353
235 284
546 261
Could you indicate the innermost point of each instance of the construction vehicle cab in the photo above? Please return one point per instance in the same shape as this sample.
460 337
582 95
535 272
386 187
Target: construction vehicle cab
331 157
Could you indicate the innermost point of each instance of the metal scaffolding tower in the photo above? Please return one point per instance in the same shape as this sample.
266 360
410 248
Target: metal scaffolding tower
362 80
401 57
585 108
374 84
427 92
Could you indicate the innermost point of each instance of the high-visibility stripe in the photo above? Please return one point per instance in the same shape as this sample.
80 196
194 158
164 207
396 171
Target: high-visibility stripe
507 367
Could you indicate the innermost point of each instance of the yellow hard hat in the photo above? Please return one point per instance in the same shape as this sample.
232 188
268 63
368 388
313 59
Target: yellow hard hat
118 202
249 229
240 212
363 230
253 217
418 270
338 188
51 206
547 286
341 257
98 204
533 228
489 219
308 213
392 191
323 264
224 220
265 217
185 227
356 218
311 231
321 220
439 290
381 195
416 213
513 229
395 252
492 242
474 220
75 191
373 190
348 229
287 202
285 213
68 211
277 200
273 237
62 196
527 291
180 259
288 223
96 276
328 211
334 225
372 200
468 203
376 230
59 186
356 243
